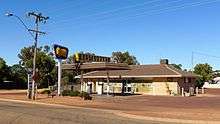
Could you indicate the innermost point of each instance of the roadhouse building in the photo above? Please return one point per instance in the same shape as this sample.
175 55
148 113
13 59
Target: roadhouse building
113 78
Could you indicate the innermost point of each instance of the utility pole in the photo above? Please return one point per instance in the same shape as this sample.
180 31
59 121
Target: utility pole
192 61
38 19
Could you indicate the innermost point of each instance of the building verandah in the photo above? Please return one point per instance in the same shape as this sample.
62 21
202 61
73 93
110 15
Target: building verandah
150 86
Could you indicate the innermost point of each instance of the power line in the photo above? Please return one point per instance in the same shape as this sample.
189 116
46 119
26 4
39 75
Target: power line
169 9
112 11
126 7
149 12
165 10
160 11
68 4
203 54
152 6
88 8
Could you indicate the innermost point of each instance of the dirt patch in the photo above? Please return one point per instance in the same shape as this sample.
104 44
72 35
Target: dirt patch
213 91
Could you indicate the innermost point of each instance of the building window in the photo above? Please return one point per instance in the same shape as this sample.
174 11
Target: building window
149 84
128 89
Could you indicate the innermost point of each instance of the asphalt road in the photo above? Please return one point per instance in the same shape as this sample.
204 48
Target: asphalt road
20 113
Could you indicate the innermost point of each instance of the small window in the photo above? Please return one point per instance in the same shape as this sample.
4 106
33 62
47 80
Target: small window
149 84
129 89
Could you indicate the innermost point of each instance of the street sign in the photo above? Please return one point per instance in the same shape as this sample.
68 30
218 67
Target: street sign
29 86
76 57
86 57
61 52
30 81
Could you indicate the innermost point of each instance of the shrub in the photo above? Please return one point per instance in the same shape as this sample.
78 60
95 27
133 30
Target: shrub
81 94
66 93
70 93
85 96
74 93
46 92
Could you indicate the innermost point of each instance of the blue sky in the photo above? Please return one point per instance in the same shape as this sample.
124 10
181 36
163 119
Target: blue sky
148 29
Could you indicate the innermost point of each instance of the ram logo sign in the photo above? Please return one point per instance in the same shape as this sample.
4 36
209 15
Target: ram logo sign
60 52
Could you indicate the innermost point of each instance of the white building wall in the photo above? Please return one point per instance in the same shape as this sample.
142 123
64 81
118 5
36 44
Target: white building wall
99 88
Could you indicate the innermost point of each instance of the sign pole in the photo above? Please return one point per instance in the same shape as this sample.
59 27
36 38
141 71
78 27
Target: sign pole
60 53
59 75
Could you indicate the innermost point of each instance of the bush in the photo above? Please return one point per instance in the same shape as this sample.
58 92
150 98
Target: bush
46 92
74 93
81 94
85 96
199 83
66 93
70 93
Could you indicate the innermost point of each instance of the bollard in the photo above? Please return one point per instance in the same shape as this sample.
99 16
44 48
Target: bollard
203 90
197 90
191 91
182 91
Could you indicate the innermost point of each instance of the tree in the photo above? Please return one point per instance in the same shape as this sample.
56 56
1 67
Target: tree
177 66
4 72
70 59
205 71
18 74
46 49
124 57
45 63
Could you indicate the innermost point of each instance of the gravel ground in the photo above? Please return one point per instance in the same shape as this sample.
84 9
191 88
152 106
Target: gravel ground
194 108
20 113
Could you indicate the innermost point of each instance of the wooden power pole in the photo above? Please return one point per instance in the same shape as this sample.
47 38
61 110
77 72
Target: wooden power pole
38 19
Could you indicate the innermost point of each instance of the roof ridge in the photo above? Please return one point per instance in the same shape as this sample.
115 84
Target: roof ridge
145 65
172 69
89 73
